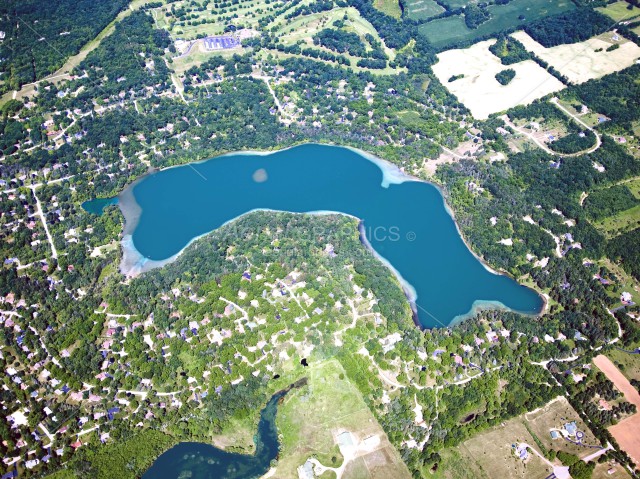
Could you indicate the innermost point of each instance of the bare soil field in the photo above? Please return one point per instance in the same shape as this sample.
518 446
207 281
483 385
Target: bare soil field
587 60
610 370
479 90
626 431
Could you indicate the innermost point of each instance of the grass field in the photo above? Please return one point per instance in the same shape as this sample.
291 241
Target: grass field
389 7
446 31
197 56
554 415
489 454
587 60
455 465
602 472
625 220
310 418
212 20
620 223
453 4
422 9
628 364
618 11
625 282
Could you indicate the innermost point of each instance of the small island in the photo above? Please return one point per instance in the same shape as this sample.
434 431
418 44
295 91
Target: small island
505 76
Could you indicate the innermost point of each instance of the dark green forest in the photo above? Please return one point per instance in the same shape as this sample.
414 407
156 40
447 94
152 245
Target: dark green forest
41 35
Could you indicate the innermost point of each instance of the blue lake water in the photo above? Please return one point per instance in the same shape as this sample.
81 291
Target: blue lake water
195 460
405 221
98 205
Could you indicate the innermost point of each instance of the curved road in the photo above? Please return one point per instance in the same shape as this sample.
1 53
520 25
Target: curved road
542 145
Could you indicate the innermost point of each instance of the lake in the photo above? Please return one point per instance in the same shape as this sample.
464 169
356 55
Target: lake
197 460
405 221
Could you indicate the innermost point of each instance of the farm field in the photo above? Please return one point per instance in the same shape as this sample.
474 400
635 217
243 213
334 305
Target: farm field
447 31
480 91
587 60
422 9
619 11
310 418
626 431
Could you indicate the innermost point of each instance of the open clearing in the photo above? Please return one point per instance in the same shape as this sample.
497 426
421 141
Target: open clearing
480 91
445 31
626 431
389 7
580 62
313 416
490 453
422 9
619 11
553 416
619 223
630 363
624 221
610 370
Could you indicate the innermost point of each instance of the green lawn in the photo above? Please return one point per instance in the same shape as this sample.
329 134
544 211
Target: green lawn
618 11
625 220
389 7
620 223
446 31
629 364
310 416
422 9
453 4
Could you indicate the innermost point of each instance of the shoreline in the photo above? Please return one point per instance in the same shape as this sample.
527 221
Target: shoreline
133 263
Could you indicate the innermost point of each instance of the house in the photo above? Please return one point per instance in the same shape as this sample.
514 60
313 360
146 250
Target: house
571 428
345 439
522 452
492 337
306 470
555 434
